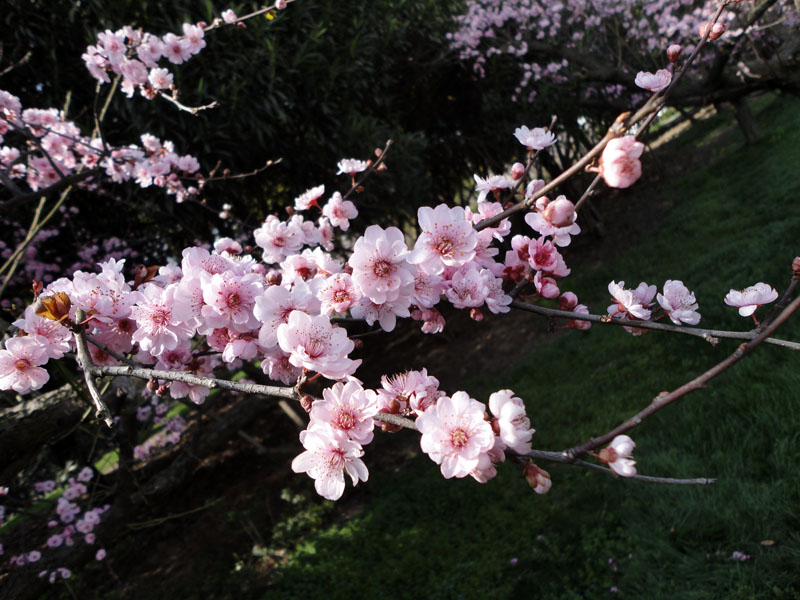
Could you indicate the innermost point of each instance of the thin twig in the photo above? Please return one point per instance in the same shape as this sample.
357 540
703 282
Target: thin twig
190 109
192 379
85 361
666 398
558 457
709 335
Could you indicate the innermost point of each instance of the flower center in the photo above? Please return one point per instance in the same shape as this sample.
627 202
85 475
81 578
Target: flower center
458 438
345 420
444 247
382 268
22 364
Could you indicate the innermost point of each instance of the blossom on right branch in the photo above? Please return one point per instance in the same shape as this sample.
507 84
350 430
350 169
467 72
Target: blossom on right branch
750 298
619 456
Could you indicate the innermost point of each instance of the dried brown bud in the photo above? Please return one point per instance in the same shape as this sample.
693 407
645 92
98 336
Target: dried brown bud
142 274
359 189
55 308
274 277
37 287
358 344
796 268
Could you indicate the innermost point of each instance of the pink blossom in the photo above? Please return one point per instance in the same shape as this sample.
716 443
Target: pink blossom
338 294
314 344
467 288
679 303
539 221
229 16
619 163
229 300
309 198
619 456
275 305
340 211
157 329
346 407
328 455
100 555
750 298
176 50
511 422
49 334
455 434
380 270
278 239
493 184
193 37
19 365
386 313
432 320
351 166
534 139
410 391
631 304
161 79
655 82
447 239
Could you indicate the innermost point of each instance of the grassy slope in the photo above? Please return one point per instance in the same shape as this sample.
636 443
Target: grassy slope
733 223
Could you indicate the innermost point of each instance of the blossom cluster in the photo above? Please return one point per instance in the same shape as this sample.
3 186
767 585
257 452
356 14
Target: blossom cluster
455 431
58 149
677 303
70 523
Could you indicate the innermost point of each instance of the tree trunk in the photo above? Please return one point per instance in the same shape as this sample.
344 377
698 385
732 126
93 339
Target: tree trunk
747 122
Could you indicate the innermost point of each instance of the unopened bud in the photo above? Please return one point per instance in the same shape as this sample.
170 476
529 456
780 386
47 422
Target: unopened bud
607 455
717 29
541 203
517 171
358 344
796 267
381 168
378 152
290 210
537 478
274 277
476 315
359 189
162 390
306 402
152 385
560 212
241 25
673 52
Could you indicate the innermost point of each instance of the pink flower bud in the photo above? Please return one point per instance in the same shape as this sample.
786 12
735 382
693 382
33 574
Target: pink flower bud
673 52
476 315
517 171
560 212
717 29
541 203
152 385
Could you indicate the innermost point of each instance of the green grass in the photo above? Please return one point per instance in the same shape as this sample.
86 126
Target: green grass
733 223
